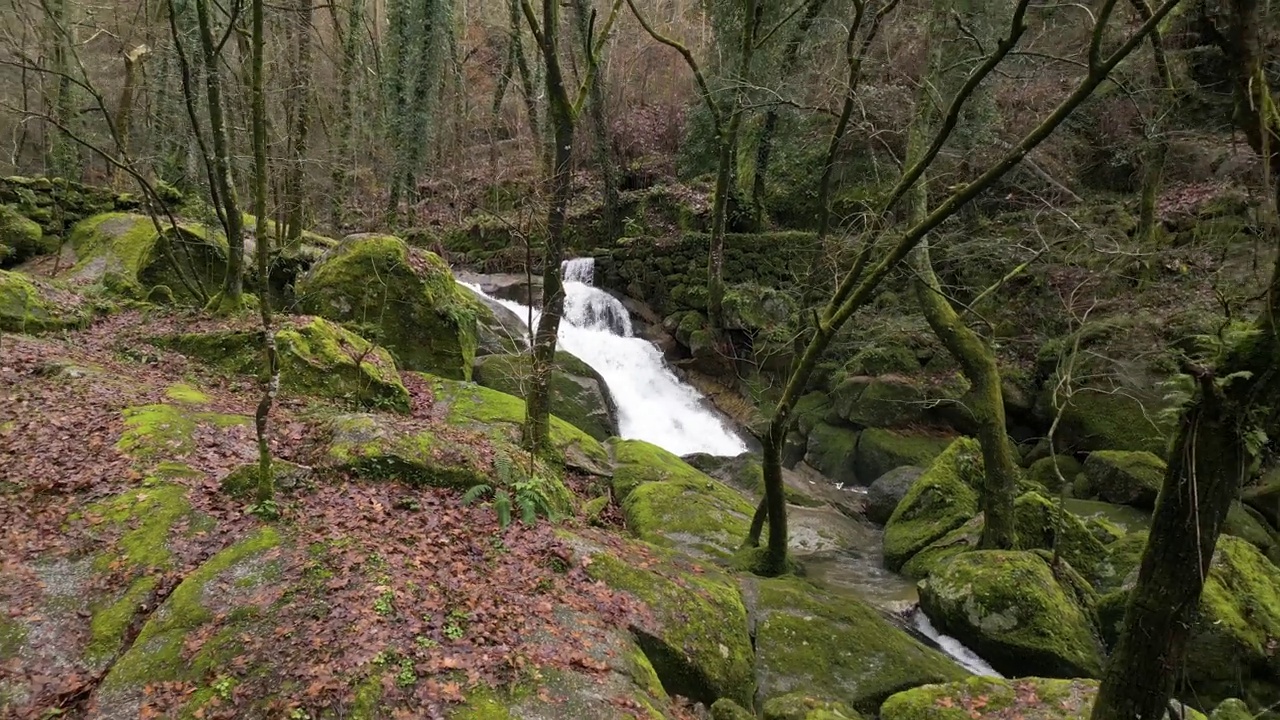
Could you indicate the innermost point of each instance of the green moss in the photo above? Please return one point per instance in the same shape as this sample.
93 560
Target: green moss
414 307
799 706
941 500
164 430
836 648
1239 615
637 462
1040 525
1027 698
1127 478
156 654
13 635
124 253
482 705
880 451
1112 421
21 238
726 709
700 646
108 626
365 699
579 395
1043 471
961 540
832 450
150 512
1122 558
1010 609
883 403
1231 709
31 306
1246 523
185 393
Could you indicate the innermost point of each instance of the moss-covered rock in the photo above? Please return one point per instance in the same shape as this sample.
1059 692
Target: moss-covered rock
28 305
880 402
1028 698
402 298
579 395
831 450
698 640
499 331
1248 524
726 709
1121 561
21 238
1010 609
888 490
316 358
668 502
1127 478
745 473
1040 524
800 706
1111 421
124 253
836 648
1264 496
1045 470
166 431
243 481
1231 709
880 451
941 500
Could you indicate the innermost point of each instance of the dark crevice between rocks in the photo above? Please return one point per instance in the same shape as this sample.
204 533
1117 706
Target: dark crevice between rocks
677 675
78 700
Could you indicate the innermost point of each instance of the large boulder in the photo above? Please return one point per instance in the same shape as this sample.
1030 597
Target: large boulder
831 450
1264 496
579 395
1011 610
888 490
1046 471
880 451
316 358
835 648
21 238
1117 568
29 305
1246 523
1028 698
1123 477
499 330
400 297
669 503
124 253
1106 420
802 706
889 401
940 501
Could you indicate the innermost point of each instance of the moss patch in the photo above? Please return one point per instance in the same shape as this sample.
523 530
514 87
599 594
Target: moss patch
1028 698
123 253
880 451
149 513
1009 607
1126 478
836 648
578 394
941 500
109 623
167 430
29 306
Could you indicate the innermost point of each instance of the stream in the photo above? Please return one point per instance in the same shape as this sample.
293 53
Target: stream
656 406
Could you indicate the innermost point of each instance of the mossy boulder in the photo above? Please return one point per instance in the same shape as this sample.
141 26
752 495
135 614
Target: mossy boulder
801 706
1011 610
472 406
28 305
836 649
888 490
21 238
1248 524
579 395
726 709
696 635
882 402
1104 420
745 473
1045 471
400 297
125 254
1119 565
1029 698
1232 709
1123 477
880 451
670 503
499 331
1264 496
316 358
831 450
166 432
940 501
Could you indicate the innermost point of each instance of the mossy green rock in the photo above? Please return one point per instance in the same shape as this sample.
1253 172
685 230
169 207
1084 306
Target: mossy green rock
831 450
1010 609
123 253
578 394
28 305
1231 709
698 640
1120 563
745 472
1045 470
1029 698
400 297
940 501
166 431
882 402
21 238
1106 420
668 502
316 358
726 709
880 451
1123 477
800 706
1248 524
836 648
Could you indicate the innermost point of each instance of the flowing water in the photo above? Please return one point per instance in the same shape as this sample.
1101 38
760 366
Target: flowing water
653 404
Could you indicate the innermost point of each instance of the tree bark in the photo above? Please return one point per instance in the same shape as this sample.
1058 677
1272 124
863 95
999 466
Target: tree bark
1153 156
340 178
611 217
1219 438
232 286
262 239
295 194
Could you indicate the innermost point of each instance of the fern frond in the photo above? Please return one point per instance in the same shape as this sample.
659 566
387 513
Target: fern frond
502 506
475 493
528 509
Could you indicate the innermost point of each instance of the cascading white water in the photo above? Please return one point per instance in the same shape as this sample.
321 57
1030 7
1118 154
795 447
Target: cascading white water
653 404
967 658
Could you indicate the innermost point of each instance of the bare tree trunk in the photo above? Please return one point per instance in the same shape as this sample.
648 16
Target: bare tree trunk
295 191
266 483
340 179
64 155
1153 156
611 217
230 297
124 109
1219 437
527 92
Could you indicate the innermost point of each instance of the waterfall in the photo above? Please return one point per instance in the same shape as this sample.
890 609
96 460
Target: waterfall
653 404
965 657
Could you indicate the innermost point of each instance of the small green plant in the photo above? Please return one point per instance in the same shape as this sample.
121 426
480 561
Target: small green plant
514 488
265 509
455 625
299 714
406 677
425 642
385 603
382 658
222 687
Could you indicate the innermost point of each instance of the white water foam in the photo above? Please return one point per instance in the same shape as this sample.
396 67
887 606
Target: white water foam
653 404
967 658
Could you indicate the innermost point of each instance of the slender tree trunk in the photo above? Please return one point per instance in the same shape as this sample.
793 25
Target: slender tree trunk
399 19
1219 438
234 221
124 109
1157 141
611 217
340 179
64 155
527 83
262 239
295 193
